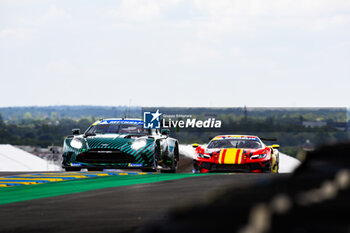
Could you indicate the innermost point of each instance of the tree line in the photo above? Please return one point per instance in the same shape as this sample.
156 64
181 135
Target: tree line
46 126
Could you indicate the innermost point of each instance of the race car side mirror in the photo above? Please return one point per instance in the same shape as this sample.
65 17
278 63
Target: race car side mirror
275 146
75 131
165 132
195 145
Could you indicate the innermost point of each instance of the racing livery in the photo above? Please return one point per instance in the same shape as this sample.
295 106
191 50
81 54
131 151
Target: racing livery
120 143
236 153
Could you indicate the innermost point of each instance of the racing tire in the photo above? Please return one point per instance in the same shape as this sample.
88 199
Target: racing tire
96 169
175 161
275 168
167 171
148 170
267 168
72 169
155 163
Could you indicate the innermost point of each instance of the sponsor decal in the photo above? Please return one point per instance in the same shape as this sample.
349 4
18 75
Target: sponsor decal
75 164
135 165
236 137
133 122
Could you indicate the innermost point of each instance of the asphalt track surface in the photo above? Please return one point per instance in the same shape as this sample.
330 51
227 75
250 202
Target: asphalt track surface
118 209
127 208
315 198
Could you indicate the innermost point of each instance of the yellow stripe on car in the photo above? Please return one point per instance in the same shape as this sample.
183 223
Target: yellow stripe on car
222 152
230 156
240 157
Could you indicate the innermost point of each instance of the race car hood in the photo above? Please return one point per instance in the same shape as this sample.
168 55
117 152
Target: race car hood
234 155
109 141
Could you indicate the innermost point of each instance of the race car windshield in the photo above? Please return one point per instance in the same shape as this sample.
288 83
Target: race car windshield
235 143
118 129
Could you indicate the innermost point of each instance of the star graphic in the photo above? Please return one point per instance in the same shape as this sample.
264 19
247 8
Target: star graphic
156 115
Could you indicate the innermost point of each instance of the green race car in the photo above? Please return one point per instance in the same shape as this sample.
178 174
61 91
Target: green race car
120 144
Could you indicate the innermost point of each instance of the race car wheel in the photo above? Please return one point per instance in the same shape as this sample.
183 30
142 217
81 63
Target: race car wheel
195 168
155 162
95 169
175 160
267 168
149 170
71 169
275 168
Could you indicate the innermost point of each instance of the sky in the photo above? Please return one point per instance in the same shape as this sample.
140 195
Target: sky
190 53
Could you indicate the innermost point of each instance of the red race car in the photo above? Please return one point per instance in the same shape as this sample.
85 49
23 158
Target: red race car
236 153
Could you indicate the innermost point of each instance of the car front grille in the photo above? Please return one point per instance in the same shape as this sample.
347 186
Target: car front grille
231 167
105 156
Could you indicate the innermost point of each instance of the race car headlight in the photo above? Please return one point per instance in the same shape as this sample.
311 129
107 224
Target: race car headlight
77 144
138 144
261 156
203 156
